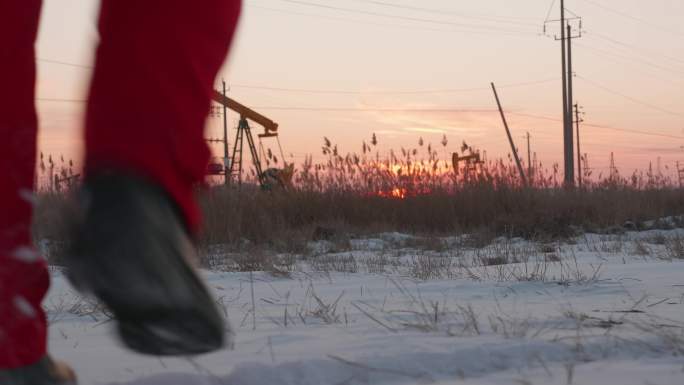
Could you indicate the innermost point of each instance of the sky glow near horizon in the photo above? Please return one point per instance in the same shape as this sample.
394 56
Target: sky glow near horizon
629 65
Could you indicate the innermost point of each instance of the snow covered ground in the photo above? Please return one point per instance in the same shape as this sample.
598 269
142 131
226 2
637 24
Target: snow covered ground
604 309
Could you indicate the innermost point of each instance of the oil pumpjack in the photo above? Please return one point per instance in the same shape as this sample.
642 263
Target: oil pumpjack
268 179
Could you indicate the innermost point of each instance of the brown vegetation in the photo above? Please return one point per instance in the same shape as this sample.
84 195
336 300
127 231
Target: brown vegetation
413 191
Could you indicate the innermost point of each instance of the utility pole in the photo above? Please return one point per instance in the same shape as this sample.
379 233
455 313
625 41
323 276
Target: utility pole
226 161
569 143
566 36
510 138
579 151
529 158
569 177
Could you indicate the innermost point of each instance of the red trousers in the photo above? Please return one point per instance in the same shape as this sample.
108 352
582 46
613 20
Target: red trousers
149 97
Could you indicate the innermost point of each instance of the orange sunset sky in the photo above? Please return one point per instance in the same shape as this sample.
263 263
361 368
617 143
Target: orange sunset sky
406 69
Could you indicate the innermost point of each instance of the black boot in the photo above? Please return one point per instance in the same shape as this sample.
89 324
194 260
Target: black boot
131 249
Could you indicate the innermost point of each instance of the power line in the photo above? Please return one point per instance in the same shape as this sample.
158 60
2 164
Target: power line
483 110
352 109
332 109
82 66
634 18
631 46
572 13
633 59
632 131
444 110
478 28
344 19
643 70
497 19
548 14
398 92
357 21
540 117
347 92
630 98
628 130
60 100
64 100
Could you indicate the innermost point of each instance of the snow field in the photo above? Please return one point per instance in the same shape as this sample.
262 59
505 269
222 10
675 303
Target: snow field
599 310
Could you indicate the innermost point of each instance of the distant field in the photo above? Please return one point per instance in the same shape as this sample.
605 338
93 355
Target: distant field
413 191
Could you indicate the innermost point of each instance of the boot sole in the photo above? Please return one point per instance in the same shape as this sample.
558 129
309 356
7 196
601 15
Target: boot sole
130 250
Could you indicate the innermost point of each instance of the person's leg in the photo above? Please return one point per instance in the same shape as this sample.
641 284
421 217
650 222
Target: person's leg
145 151
151 90
23 274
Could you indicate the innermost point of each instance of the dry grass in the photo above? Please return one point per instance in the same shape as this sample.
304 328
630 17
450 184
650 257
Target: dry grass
286 220
674 248
426 266
412 191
